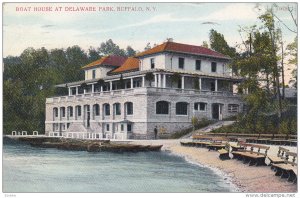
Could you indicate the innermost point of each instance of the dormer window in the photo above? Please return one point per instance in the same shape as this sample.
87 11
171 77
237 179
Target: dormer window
94 74
181 63
213 67
198 65
152 63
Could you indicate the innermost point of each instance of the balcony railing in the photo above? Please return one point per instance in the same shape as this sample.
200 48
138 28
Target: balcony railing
143 90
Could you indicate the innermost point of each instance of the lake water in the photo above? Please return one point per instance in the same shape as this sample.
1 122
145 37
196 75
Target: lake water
29 169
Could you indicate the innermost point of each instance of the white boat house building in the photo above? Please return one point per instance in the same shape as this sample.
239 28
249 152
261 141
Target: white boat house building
127 97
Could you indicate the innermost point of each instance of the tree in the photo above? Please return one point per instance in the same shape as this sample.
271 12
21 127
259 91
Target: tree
269 24
130 51
110 48
76 58
29 80
292 50
93 55
194 121
219 44
205 44
148 46
175 78
149 77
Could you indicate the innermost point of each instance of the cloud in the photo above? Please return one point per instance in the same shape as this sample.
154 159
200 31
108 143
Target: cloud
210 23
47 26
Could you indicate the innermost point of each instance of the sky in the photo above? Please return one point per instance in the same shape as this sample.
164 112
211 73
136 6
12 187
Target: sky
60 25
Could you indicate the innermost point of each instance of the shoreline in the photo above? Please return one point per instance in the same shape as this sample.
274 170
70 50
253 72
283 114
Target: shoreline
225 177
244 178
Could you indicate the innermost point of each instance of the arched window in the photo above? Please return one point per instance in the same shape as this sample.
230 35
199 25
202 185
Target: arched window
63 111
129 108
106 108
162 107
96 109
55 112
117 109
181 108
78 110
70 111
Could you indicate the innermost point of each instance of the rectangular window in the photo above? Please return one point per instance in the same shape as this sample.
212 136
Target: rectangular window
181 63
94 74
200 106
152 62
233 108
107 127
68 125
213 67
198 65
129 127
122 127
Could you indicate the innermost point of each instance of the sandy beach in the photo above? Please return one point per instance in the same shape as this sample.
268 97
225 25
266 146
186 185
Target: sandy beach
246 178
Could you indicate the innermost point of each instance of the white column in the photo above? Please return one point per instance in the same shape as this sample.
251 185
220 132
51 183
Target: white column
92 88
164 81
110 85
77 90
159 80
143 81
200 84
131 83
216 85
101 88
84 91
70 91
182 82
155 80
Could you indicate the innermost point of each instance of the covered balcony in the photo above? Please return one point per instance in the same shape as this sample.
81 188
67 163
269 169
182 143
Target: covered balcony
161 82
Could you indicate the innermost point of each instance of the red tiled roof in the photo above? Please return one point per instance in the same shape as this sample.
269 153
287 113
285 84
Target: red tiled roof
129 65
182 48
107 60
